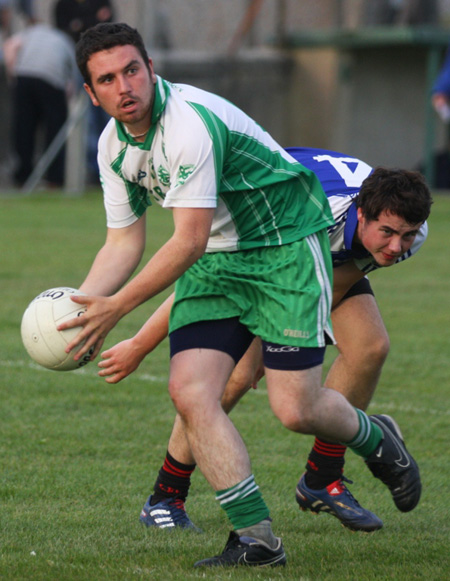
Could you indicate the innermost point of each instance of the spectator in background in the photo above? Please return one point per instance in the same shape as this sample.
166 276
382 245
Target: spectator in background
5 105
440 93
5 17
440 99
40 61
26 8
74 17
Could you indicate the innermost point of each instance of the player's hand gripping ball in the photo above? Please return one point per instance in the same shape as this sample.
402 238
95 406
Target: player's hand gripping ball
43 342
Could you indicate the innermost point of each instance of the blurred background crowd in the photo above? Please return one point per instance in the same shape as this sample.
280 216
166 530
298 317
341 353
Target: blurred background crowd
367 77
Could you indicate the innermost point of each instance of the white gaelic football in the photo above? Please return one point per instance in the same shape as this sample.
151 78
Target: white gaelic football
43 342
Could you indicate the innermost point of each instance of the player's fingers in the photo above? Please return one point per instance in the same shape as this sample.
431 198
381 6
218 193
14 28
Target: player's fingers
75 322
83 299
115 378
97 346
110 356
106 355
87 344
87 338
107 367
77 340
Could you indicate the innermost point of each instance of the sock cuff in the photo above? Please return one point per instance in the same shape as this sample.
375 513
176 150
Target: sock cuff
368 437
243 504
329 448
177 468
364 430
239 490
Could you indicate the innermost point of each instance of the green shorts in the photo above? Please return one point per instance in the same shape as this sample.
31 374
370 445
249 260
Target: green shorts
282 294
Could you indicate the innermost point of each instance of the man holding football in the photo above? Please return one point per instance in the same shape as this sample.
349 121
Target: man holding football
250 238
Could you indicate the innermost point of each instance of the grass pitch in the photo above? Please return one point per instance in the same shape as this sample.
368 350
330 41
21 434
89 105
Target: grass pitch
79 457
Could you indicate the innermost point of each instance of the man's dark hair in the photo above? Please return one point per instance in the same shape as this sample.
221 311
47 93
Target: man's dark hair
396 191
105 36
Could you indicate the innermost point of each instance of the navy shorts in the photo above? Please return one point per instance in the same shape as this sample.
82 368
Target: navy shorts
362 287
232 337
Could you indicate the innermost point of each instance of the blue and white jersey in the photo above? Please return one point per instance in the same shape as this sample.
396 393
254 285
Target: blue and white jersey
341 177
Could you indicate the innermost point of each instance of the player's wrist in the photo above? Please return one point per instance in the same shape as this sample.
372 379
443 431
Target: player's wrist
143 344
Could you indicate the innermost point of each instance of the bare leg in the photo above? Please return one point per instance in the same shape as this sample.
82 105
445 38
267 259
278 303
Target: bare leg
198 378
178 446
197 383
303 406
363 345
246 373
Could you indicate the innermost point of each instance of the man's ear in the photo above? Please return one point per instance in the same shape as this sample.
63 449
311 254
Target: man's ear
152 71
359 214
91 94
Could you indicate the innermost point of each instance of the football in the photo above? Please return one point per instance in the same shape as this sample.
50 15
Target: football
43 342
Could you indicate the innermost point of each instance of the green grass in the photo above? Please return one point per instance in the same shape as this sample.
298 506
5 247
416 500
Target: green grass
79 457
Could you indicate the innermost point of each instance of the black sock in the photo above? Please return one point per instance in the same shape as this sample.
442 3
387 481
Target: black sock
325 464
173 480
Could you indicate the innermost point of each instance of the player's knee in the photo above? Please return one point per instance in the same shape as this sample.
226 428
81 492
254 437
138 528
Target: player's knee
371 353
179 396
377 350
297 419
193 399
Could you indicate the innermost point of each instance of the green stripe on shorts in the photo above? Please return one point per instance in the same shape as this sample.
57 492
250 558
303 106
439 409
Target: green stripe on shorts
282 294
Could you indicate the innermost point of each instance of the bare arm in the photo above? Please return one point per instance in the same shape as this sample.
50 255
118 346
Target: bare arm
344 277
440 102
116 260
187 244
11 48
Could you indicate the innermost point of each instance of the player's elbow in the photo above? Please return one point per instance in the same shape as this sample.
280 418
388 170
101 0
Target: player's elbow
190 248
192 231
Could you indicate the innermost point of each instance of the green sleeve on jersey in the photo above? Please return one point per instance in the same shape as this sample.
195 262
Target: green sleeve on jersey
219 137
138 196
241 161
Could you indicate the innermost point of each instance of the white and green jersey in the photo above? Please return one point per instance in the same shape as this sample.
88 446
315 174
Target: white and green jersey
203 152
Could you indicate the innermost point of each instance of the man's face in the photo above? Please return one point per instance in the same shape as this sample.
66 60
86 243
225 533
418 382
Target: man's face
123 86
386 238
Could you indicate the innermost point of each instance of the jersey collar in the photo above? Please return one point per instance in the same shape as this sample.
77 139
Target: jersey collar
349 233
162 91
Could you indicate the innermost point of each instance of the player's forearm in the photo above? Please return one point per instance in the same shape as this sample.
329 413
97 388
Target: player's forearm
344 277
181 251
116 260
155 329
110 271
162 270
